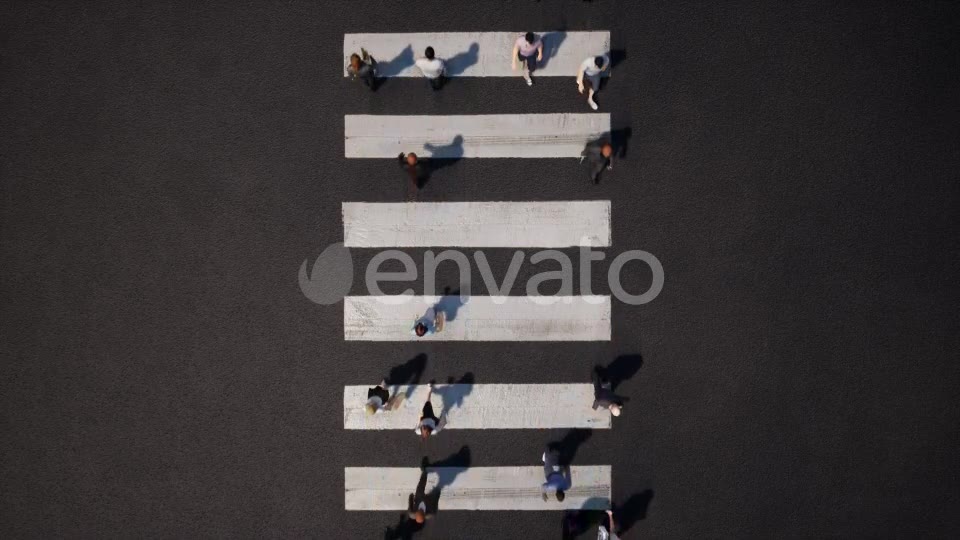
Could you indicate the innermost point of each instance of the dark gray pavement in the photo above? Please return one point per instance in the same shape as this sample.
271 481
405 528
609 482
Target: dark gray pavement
166 168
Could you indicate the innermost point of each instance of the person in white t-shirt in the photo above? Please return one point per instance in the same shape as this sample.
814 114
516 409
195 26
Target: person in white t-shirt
432 68
590 71
528 49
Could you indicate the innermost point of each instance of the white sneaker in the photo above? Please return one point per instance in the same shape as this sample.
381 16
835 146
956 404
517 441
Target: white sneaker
529 80
593 104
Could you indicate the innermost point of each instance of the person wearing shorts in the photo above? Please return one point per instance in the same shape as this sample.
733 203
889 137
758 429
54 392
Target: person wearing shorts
590 71
528 49
377 398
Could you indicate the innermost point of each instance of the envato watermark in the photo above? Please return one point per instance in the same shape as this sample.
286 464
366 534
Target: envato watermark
332 275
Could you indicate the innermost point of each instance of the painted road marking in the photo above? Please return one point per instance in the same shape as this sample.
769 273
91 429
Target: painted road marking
480 318
553 224
481 406
555 135
475 488
476 54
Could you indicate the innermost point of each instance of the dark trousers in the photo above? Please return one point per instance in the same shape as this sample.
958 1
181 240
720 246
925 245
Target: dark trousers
530 60
428 412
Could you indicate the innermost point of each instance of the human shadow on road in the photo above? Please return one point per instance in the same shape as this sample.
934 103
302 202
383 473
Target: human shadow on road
633 510
393 67
453 396
567 446
445 155
447 470
449 304
623 368
407 374
551 44
459 62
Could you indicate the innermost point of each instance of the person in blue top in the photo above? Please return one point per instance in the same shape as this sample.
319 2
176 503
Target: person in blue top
429 323
557 477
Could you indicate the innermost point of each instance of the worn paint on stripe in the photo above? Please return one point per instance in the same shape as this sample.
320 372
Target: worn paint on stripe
479 318
480 406
476 54
553 224
475 488
555 135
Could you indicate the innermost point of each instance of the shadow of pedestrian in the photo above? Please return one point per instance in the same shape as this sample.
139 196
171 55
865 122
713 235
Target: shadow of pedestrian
404 530
577 522
567 446
623 368
452 396
551 44
632 511
457 63
446 155
407 373
449 304
617 56
393 67
447 471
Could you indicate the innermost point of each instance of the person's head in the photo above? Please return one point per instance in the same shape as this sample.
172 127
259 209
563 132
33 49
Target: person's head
561 495
598 61
606 150
412 160
616 409
420 329
530 37
425 432
371 409
355 61
419 517
429 53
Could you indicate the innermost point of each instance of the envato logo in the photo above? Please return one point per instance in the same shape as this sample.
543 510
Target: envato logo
332 275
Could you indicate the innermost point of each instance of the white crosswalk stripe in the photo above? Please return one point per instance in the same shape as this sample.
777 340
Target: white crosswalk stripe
553 224
480 318
475 488
480 406
476 54
557 135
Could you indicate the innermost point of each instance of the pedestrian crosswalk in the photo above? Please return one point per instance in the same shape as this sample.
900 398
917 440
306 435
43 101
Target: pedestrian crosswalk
466 408
553 224
475 488
480 406
476 54
479 318
556 135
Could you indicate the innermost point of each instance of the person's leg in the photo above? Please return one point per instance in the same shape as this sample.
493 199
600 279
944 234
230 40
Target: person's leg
428 411
526 68
594 86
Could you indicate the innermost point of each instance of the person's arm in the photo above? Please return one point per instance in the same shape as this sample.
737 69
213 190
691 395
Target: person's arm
610 516
442 423
513 57
610 162
580 79
596 404
540 51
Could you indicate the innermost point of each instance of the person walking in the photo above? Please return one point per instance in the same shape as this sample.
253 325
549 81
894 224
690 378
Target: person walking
432 68
417 501
431 322
378 398
608 533
523 50
599 157
555 479
428 424
590 72
603 396
415 170
363 66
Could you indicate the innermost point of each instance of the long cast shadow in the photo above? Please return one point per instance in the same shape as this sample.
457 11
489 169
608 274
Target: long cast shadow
623 368
459 62
445 155
407 373
632 511
450 303
453 396
551 44
393 67
569 444
446 470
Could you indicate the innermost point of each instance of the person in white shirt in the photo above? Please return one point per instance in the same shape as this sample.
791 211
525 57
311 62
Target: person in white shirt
432 68
523 50
428 424
603 533
590 71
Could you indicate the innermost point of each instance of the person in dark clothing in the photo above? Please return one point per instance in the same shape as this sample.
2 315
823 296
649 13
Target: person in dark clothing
599 156
603 396
417 508
416 171
377 398
429 424
363 66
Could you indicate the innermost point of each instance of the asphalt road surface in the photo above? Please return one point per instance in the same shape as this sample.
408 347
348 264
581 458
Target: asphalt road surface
167 168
